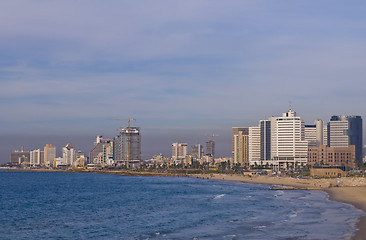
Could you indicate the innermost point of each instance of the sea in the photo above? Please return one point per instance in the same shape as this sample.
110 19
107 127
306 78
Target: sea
59 205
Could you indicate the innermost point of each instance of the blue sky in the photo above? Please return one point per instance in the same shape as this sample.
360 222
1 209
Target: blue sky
178 67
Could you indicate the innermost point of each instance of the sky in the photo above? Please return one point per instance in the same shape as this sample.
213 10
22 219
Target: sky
185 70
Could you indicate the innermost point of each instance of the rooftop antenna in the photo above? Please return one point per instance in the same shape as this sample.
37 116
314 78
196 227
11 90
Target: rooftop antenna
290 103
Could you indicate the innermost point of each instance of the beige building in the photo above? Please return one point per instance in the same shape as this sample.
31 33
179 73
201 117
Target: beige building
240 146
332 156
49 154
327 172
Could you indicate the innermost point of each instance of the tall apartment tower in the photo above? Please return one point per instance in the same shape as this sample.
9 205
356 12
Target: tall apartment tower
101 151
240 142
49 154
68 154
344 131
36 157
179 151
254 146
265 140
197 151
314 134
325 134
210 148
289 146
127 146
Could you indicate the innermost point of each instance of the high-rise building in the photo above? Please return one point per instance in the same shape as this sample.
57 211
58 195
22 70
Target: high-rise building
210 148
265 140
254 146
179 151
325 135
314 134
49 154
240 143
310 135
197 151
101 150
68 154
344 131
127 147
36 157
20 157
289 147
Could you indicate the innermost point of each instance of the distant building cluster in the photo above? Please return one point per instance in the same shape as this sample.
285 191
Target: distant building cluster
199 156
123 150
287 143
47 157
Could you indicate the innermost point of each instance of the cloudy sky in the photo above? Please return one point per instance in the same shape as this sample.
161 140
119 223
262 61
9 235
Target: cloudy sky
184 69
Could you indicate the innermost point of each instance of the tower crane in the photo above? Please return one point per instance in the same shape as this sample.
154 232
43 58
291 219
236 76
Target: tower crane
128 136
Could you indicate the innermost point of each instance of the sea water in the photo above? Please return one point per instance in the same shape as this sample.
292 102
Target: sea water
104 206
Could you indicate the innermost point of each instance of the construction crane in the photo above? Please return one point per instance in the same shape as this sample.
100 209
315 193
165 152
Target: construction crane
128 136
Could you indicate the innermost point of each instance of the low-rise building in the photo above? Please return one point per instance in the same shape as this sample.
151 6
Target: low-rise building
332 156
327 172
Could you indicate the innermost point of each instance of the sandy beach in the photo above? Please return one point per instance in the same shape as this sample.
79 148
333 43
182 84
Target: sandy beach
351 190
348 190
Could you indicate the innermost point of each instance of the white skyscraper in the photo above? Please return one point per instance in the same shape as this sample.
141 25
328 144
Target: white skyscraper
254 146
36 157
289 147
179 150
68 154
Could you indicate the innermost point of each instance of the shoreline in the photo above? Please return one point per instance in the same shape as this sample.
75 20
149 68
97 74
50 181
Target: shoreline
348 195
350 190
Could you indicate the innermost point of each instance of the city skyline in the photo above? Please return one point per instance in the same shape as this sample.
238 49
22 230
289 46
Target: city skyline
310 133
184 70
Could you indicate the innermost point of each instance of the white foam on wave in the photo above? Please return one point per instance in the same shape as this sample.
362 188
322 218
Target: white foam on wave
259 227
219 196
279 193
230 236
247 198
293 215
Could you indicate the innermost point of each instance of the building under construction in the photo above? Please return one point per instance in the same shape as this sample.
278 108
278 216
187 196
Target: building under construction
127 147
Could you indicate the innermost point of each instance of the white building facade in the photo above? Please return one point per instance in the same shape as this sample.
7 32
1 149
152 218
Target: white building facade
289 147
254 146
68 154
179 151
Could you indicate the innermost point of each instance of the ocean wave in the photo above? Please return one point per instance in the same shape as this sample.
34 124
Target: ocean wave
259 227
232 236
247 198
219 196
